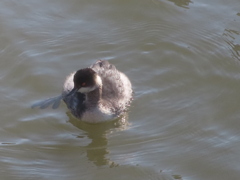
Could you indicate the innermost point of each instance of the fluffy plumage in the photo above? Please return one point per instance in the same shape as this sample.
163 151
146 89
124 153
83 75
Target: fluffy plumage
98 93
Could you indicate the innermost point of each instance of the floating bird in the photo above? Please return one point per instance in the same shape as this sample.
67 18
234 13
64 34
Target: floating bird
95 94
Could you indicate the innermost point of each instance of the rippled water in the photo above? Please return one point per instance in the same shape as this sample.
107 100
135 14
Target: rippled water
182 58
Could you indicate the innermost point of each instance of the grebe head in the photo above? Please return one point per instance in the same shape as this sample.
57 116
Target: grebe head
85 81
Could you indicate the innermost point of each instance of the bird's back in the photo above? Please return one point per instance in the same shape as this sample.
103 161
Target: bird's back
116 87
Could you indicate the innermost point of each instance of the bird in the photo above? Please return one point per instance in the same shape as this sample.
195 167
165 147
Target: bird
94 94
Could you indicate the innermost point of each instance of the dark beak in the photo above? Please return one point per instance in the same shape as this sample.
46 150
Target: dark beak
73 91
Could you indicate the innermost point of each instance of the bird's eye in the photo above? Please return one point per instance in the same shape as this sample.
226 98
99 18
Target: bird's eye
83 84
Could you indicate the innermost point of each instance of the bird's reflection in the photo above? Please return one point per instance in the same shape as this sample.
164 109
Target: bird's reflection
97 150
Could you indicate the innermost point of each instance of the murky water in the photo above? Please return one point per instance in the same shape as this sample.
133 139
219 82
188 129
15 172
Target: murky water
182 58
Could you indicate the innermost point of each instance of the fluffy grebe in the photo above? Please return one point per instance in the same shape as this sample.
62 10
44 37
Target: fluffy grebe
95 94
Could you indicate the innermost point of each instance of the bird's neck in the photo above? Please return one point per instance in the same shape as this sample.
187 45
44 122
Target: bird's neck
94 97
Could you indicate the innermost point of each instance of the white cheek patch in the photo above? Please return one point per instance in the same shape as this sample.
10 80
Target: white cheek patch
86 89
98 82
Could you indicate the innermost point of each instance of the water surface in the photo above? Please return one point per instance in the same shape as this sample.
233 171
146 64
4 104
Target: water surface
182 58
